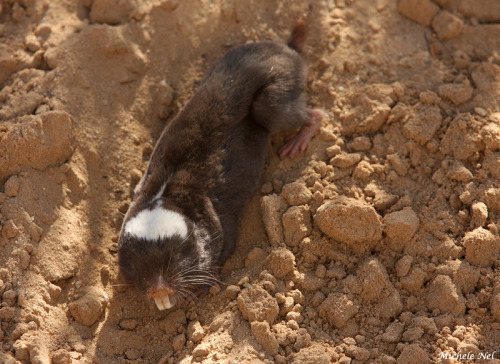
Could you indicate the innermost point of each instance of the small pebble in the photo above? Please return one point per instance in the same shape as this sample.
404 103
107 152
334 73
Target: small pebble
11 187
128 324
215 289
333 150
201 350
9 297
318 298
480 111
10 229
32 42
124 207
266 188
243 281
294 316
43 30
132 354
321 271
268 286
232 291
147 150
178 342
345 160
361 143
292 324
195 332
277 184
135 176
54 291
24 258
87 309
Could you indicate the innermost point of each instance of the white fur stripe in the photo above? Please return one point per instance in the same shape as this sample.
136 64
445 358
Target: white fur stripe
160 192
158 223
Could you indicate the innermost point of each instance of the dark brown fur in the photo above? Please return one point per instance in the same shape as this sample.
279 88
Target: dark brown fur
212 155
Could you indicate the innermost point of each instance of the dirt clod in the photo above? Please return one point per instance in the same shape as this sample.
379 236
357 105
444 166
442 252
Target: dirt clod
128 324
419 11
296 224
400 226
444 295
447 25
456 93
87 309
40 141
337 309
11 187
481 247
263 335
256 304
273 207
393 332
10 229
281 261
296 193
195 331
413 354
349 221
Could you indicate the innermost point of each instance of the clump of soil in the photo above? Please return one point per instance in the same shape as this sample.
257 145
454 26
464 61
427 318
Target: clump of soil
379 244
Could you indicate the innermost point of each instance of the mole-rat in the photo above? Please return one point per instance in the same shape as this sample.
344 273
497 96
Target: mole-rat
182 223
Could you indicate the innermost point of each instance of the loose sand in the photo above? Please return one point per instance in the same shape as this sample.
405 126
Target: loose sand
379 244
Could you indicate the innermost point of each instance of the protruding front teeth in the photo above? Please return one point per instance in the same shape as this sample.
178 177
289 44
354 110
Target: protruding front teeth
164 303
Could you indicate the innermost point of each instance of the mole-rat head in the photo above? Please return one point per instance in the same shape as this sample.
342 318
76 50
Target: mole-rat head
161 254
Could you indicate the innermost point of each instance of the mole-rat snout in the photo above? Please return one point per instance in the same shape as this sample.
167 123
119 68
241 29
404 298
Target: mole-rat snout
163 294
167 269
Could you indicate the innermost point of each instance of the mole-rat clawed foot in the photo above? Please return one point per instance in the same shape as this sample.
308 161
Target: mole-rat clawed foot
299 142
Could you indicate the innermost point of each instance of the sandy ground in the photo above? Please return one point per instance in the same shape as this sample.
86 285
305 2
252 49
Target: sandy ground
379 244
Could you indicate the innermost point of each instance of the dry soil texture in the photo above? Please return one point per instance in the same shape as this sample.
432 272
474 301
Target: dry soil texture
379 244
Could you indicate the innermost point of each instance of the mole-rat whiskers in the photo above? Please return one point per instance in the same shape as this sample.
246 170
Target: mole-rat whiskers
126 270
187 237
121 285
186 292
201 280
181 272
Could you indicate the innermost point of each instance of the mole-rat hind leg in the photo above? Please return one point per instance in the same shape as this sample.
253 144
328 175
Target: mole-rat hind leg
299 142
282 106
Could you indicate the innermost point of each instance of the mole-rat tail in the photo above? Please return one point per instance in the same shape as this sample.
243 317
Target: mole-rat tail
298 36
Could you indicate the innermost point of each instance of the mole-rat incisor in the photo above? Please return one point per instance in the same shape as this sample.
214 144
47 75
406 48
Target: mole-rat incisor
182 223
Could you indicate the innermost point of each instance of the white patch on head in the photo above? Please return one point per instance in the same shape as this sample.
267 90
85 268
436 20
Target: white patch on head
158 223
160 192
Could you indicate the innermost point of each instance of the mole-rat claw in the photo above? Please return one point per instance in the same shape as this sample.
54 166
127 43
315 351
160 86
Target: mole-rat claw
299 142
